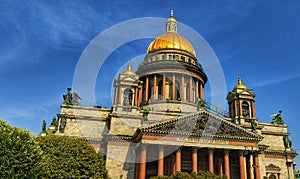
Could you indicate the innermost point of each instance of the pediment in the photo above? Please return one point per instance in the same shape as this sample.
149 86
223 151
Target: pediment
201 125
126 77
242 91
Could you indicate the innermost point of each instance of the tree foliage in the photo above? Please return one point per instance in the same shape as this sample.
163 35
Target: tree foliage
66 157
185 175
20 156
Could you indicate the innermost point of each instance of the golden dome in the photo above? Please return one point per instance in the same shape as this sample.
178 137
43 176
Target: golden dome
171 39
240 85
129 70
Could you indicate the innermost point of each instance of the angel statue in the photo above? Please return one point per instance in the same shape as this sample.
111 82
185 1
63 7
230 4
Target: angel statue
71 98
277 118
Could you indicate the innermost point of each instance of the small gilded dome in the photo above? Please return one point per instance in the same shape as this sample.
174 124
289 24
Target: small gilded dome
171 40
172 19
240 85
129 70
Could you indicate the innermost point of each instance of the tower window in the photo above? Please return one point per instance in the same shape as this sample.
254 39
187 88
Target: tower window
127 97
245 109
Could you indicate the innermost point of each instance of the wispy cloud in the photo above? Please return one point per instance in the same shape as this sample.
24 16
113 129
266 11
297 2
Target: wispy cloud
275 80
22 114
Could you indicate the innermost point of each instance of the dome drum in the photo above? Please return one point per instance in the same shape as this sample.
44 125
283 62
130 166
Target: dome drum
171 66
171 54
173 88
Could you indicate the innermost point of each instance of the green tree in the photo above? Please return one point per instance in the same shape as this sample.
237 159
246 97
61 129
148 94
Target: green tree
20 156
66 157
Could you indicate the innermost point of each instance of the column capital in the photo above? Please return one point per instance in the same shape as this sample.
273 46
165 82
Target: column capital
241 152
179 148
161 147
226 151
211 150
256 153
143 146
195 149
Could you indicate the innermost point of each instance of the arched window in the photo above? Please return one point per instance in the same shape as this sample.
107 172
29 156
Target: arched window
272 176
245 109
127 97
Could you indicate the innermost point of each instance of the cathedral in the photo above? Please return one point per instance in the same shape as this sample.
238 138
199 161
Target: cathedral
160 124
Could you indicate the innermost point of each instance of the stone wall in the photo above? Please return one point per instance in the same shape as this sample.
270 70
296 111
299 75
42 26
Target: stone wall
88 122
124 126
275 161
120 160
273 136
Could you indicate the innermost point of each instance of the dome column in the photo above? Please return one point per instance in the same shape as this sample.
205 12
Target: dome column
191 90
182 96
164 87
201 91
173 86
154 87
147 89
197 90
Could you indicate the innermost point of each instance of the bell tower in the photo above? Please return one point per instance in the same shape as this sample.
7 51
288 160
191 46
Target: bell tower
241 104
126 90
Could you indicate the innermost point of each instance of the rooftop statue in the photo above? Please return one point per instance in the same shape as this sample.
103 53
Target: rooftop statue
201 103
287 142
277 118
253 125
71 98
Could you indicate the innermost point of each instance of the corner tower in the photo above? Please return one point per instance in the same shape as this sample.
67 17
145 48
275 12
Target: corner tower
173 80
241 103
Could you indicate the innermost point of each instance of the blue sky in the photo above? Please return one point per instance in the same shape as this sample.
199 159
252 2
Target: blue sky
41 42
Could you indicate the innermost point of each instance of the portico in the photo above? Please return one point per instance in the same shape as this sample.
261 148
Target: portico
192 159
173 145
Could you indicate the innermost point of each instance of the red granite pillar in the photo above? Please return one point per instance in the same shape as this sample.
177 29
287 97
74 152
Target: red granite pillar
256 165
195 159
160 169
142 174
211 160
242 164
178 160
226 163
